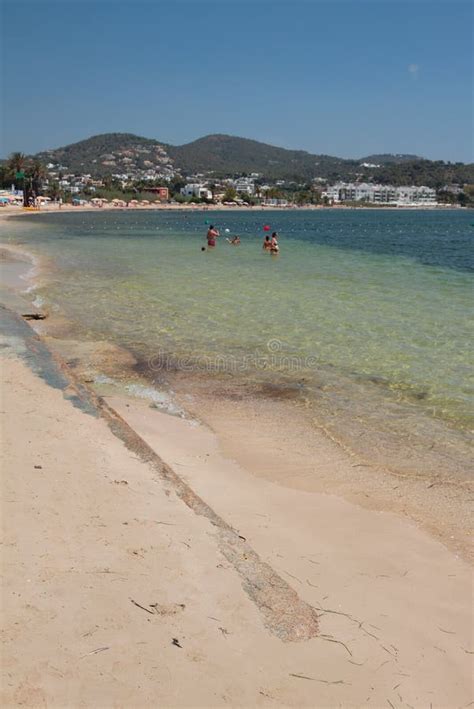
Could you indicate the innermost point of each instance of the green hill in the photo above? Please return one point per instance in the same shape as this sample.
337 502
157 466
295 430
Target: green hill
108 153
388 158
225 155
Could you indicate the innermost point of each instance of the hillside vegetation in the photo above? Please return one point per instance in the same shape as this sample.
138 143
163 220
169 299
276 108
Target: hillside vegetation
108 153
224 155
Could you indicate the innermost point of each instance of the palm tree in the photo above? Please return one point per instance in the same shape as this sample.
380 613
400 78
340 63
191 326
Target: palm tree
16 165
16 162
37 172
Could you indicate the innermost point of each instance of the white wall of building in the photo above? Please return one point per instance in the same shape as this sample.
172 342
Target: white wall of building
196 189
380 194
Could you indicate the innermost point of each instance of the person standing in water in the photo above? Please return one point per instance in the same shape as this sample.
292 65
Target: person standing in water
267 244
274 248
212 234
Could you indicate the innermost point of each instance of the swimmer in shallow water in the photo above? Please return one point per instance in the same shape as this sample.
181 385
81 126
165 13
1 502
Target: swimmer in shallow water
235 241
274 248
267 244
212 234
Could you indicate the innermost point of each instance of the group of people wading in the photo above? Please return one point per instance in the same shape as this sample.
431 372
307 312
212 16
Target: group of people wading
270 243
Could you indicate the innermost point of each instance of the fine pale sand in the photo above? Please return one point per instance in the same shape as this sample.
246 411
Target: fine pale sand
213 581
89 528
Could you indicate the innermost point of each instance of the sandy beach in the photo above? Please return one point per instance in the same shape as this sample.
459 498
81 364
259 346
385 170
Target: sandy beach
15 210
151 559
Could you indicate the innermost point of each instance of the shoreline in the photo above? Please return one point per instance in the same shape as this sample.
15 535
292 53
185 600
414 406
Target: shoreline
435 502
6 212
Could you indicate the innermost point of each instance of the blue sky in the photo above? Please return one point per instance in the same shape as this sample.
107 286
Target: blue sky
335 77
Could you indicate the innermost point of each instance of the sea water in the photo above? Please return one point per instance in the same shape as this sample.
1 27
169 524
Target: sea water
364 310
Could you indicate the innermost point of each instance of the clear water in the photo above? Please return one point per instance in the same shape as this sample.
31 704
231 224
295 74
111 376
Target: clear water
356 298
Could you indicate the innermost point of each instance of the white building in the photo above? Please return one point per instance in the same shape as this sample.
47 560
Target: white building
274 202
416 195
196 189
246 185
380 194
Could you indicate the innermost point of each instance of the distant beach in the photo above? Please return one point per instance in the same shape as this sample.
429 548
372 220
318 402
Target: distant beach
46 208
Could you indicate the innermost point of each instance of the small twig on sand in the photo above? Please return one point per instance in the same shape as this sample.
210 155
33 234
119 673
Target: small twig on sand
264 694
346 615
333 640
388 700
94 652
450 632
367 632
142 607
315 679
387 650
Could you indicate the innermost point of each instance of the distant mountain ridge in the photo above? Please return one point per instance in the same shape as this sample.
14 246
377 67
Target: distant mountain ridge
218 151
222 155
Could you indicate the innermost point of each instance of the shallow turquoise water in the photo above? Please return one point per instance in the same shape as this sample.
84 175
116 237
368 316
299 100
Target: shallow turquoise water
381 296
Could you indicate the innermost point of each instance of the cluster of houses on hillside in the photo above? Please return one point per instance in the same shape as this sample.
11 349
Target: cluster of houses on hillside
70 182
136 162
278 193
